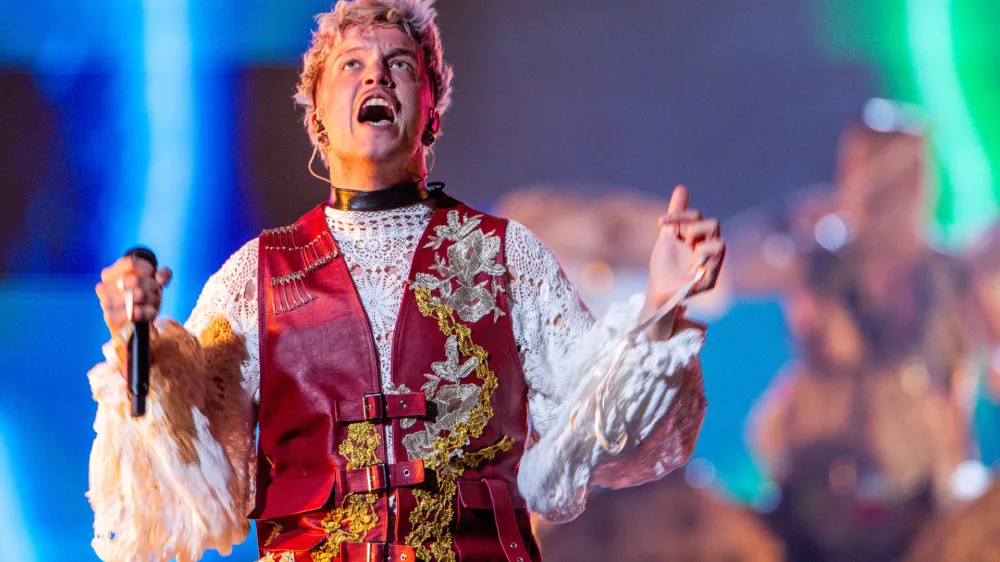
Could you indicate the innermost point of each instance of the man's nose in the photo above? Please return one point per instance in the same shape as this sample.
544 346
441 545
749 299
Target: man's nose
381 76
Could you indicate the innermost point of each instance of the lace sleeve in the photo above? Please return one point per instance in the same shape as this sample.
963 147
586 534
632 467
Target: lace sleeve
657 398
232 293
548 317
177 481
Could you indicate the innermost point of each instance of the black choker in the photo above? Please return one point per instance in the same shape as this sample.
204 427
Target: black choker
400 195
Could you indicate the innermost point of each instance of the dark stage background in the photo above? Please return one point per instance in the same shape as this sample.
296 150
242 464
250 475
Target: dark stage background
172 124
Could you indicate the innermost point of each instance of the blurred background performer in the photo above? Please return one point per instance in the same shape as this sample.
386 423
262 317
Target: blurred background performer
390 431
972 531
867 430
663 521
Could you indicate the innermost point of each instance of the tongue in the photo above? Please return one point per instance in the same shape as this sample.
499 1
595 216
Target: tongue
374 114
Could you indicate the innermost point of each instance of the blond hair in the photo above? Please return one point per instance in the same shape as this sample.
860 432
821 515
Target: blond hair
414 17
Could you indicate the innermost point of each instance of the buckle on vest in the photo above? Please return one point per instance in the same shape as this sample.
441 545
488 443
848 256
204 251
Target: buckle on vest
374 407
378 477
376 552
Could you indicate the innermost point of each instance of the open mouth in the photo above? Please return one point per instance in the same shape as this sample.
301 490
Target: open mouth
377 112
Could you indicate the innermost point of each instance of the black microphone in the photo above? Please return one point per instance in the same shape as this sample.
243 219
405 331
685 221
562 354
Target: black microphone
138 348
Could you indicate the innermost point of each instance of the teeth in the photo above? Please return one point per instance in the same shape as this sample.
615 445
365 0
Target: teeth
377 101
389 112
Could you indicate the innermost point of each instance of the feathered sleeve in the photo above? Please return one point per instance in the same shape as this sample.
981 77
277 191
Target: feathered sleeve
653 408
178 480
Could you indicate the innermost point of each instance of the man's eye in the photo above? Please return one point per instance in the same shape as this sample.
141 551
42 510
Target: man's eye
351 64
400 65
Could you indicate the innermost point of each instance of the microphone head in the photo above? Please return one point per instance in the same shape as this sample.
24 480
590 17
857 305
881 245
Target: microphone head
144 253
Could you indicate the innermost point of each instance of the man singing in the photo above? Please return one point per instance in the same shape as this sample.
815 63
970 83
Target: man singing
423 374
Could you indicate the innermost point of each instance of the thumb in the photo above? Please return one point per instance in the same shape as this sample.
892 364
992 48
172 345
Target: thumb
163 276
678 200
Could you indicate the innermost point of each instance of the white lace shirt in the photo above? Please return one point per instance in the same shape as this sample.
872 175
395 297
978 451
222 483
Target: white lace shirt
656 399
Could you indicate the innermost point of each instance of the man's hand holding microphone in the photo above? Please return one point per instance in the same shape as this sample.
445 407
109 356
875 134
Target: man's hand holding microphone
130 292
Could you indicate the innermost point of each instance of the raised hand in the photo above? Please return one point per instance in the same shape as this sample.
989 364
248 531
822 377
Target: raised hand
687 242
135 276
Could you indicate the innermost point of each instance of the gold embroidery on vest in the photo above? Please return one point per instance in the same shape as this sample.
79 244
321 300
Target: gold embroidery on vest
352 521
275 531
471 253
433 515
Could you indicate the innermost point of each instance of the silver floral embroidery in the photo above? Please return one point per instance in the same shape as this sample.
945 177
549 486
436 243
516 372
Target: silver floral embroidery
454 400
471 253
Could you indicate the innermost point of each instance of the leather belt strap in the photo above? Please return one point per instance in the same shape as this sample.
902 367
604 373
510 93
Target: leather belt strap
376 552
381 477
373 407
507 529
476 494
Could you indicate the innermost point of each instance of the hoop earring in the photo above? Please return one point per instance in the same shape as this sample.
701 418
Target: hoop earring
310 166
428 138
432 128
321 136
433 159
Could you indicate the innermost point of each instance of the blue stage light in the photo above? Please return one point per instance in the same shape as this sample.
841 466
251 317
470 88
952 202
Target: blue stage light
15 541
168 92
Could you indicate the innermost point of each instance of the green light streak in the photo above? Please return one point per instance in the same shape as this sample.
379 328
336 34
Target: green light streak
929 37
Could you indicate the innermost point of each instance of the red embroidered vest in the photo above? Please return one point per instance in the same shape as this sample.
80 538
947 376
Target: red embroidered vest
456 410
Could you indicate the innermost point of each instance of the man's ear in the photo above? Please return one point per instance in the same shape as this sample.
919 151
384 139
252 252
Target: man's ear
434 122
430 131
